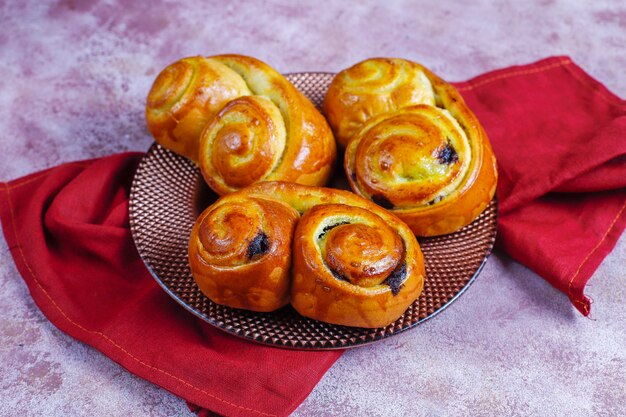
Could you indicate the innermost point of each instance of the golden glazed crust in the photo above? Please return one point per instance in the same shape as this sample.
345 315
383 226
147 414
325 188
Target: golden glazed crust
423 156
240 253
372 87
240 121
352 263
184 97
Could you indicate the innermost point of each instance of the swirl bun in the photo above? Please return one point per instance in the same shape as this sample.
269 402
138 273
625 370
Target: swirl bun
240 253
353 268
352 262
373 87
243 142
414 147
240 121
184 97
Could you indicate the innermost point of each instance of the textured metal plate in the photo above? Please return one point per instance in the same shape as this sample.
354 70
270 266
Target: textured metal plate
167 195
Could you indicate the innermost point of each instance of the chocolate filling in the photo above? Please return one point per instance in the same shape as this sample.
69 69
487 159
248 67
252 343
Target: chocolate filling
330 227
447 154
396 279
382 201
338 275
258 246
435 200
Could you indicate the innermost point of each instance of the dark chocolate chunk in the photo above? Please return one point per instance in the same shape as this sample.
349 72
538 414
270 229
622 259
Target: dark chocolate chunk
338 275
258 246
396 279
447 154
382 201
435 200
330 227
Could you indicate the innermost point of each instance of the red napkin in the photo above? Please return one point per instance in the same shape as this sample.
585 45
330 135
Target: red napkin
67 229
559 139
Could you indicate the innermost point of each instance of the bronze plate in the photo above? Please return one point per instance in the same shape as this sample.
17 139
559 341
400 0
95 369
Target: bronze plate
167 195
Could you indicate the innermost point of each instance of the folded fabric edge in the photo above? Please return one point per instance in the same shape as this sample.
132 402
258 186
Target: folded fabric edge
512 71
80 163
204 412
587 80
590 264
541 65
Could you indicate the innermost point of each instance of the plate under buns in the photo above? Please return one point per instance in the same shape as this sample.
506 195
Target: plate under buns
167 195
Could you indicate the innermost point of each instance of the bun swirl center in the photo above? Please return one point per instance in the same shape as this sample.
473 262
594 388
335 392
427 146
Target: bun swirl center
245 142
227 231
361 254
171 84
413 157
355 245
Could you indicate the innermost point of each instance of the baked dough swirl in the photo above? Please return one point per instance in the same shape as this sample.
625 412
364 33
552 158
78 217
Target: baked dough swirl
335 256
240 121
184 97
240 252
371 87
412 144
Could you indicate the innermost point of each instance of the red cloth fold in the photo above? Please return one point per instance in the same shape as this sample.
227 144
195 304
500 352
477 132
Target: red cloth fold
559 139
67 229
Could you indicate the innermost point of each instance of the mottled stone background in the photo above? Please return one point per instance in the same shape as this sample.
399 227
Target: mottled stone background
73 79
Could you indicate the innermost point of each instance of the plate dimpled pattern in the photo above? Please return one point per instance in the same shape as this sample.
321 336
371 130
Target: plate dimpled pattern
168 193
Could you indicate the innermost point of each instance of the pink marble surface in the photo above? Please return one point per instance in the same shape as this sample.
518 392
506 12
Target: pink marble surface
74 78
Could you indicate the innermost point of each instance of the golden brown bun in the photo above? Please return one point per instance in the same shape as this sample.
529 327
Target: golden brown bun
184 97
240 121
372 87
414 146
353 263
353 267
240 254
